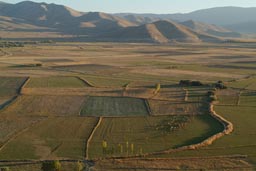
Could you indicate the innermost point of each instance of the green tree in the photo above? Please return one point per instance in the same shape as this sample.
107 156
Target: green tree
79 166
51 166
158 87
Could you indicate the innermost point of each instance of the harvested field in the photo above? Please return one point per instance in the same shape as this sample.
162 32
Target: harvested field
139 92
146 138
36 166
213 163
106 82
51 139
92 68
248 98
176 72
92 91
170 94
234 67
114 106
46 105
249 84
4 100
231 57
163 107
56 82
228 97
55 60
198 94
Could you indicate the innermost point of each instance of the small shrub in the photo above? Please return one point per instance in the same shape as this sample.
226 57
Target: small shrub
4 169
51 166
220 86
38 65
213 98
211 93
79 166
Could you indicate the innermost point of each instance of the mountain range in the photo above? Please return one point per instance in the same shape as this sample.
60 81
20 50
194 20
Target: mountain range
210 25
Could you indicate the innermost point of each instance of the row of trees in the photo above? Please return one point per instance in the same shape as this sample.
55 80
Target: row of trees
218 85
120 149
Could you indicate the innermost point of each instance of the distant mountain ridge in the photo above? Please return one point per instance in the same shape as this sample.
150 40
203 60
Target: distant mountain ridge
96 26
229 17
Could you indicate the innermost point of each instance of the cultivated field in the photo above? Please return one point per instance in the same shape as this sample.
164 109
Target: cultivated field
80 103
51 138
114 106
46 105
56 82
147 134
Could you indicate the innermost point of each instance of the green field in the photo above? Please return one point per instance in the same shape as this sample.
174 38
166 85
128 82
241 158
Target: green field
114 106
142 132
56 82
51 138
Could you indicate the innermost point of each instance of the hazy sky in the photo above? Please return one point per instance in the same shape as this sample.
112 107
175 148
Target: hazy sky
145 6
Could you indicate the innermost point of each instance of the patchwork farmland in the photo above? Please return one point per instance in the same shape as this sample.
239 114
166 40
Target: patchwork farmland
122 111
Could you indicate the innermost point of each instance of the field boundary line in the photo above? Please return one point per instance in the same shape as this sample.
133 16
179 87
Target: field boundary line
83 104
91 136
24 85
148 107
85 81
186 94
7 103
14 98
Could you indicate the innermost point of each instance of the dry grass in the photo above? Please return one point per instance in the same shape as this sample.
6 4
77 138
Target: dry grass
160 107
228 164
46 106
53 138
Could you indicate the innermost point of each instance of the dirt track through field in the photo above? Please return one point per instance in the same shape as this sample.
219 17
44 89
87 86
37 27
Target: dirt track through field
90 138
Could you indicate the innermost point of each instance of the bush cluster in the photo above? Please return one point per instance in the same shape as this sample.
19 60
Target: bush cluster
190 83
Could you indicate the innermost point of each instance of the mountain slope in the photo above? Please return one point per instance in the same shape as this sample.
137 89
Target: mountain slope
161 32
61 17
244 27
34 17
210 29
230 17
